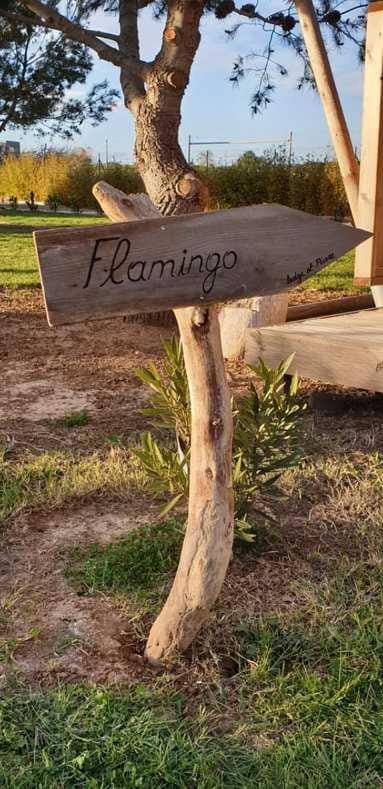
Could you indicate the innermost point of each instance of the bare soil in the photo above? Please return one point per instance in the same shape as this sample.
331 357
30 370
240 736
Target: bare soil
49 373
304 296
46 374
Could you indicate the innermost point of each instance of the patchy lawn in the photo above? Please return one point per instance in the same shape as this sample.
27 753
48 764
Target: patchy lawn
18 265
283 688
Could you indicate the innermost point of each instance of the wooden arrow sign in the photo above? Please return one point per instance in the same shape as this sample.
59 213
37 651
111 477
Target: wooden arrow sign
156 264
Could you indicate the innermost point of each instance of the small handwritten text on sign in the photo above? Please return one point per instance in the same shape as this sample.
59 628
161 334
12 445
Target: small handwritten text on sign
164 263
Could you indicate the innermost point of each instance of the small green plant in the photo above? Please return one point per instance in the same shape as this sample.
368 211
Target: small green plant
170 404
165 469
266 434
74 419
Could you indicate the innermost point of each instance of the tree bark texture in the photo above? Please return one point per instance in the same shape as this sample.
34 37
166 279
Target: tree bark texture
207 547
173 186
208 542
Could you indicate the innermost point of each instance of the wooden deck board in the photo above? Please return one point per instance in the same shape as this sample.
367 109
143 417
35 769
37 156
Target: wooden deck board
342 349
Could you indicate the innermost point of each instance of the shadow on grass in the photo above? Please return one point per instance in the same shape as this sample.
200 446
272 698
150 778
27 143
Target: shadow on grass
26 230
19 271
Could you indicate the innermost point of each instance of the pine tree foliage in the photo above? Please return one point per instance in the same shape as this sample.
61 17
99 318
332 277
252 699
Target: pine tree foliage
38 69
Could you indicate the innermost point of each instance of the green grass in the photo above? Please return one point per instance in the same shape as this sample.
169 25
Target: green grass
304 712
52 478
314 685
18 264
98 738
74 419
337 276
139 567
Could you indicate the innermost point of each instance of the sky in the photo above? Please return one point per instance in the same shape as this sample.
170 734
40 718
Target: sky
213 109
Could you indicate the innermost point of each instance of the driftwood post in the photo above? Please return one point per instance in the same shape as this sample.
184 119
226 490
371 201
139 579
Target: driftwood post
237 318
207 546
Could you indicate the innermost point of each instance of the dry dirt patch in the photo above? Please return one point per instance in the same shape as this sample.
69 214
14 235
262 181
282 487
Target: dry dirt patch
48 373
38 398
72 636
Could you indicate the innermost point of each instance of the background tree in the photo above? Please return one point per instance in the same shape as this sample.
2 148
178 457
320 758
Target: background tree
37 69
153 93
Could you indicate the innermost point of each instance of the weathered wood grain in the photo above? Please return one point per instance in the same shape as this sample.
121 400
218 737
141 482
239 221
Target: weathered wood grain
344 349
120 207
165 263
207 546
369 258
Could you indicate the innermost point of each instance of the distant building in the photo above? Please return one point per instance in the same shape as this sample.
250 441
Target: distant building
10 147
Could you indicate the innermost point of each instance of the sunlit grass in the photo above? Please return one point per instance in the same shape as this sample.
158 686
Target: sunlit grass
52 478
303 708
337 276
18 264
39 219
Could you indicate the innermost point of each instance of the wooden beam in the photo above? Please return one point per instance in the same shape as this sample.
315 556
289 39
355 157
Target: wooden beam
317 309
369 258
345 349
171 262
328 92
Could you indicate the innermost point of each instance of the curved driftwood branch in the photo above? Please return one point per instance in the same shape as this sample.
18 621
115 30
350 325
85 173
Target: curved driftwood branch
207 546
120 207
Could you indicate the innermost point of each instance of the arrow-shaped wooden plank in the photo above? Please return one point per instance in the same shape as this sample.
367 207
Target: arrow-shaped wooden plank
164 263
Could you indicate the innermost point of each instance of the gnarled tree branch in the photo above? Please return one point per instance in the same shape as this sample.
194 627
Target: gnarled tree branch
56 21
103 34
35 21
171 183
132 83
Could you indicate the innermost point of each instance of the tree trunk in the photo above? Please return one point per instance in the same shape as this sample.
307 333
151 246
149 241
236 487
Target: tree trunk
173 186
208 540
176 189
